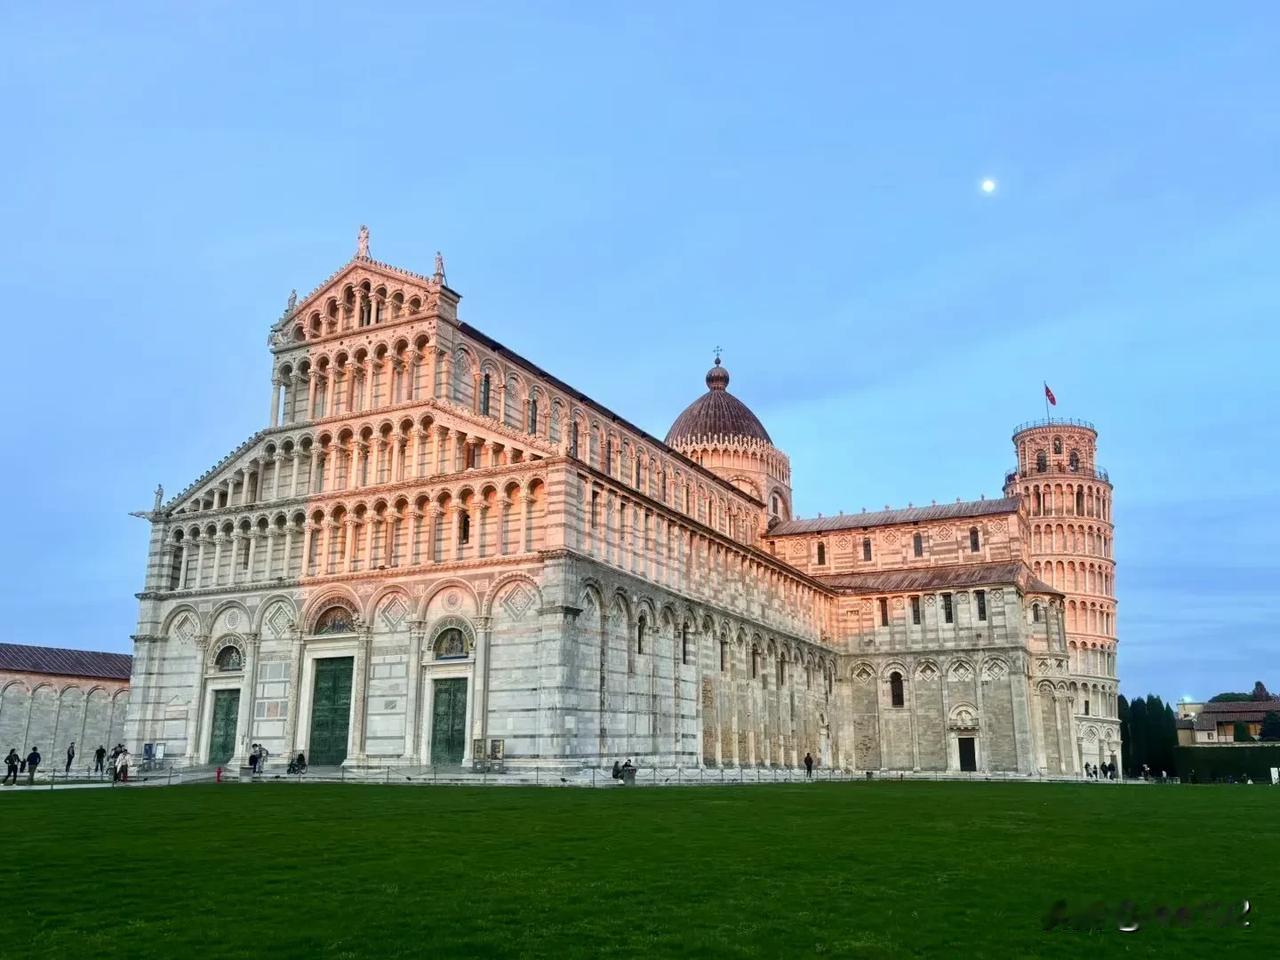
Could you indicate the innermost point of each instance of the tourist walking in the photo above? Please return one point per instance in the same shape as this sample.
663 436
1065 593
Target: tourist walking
253 759
71 756
11 764
263 755
115 755
98 756
33 761
122 766
808 766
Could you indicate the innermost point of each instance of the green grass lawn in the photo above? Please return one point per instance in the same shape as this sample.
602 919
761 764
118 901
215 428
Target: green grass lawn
863 870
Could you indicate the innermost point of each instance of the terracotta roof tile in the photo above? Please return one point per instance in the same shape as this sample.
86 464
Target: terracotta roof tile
21 658
936 578
884 518
1226 711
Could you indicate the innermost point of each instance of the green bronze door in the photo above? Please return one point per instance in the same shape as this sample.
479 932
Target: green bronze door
448 721
330 711
222 733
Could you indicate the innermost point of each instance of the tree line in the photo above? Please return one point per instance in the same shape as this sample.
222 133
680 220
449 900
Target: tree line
1149 728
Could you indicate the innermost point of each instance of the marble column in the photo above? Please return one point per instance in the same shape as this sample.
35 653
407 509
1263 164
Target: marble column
195 733
359 696
413 690
275 403
248 683
295 690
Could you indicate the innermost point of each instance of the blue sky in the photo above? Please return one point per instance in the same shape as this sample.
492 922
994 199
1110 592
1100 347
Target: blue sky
618 191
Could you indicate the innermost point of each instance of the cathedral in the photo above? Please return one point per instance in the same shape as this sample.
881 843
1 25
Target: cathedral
437 554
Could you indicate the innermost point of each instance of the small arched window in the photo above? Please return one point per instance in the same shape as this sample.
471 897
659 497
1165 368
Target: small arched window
1073 461
229 660
1080 502
1035 612
896 697
640 626
917 545
974 543
1057 444
484 395
451 645
822 554
684 645
1042 462
464 527
774 505
866 549
533 415
573 439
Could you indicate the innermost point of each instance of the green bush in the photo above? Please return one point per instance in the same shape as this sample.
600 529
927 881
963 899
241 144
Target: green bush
1218 763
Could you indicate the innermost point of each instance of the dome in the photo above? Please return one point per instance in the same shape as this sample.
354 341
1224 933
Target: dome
717 413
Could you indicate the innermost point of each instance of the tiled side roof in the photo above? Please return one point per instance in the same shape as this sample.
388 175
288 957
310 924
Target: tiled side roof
1224 711
537 371
884 518
938 578
21 658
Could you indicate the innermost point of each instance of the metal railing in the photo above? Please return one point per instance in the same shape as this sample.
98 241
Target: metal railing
1054 422
1055 471
589 778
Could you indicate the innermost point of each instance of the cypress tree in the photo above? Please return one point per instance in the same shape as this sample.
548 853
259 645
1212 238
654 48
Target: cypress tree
1137 752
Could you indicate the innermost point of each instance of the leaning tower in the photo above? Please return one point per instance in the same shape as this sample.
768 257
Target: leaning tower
1068 502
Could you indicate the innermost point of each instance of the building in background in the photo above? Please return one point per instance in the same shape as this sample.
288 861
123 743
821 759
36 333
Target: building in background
1218 722
50 697
436 550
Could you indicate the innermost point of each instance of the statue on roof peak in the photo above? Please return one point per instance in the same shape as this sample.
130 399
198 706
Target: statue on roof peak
439 277
362 243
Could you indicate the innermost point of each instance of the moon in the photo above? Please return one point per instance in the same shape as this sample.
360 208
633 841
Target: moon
988 185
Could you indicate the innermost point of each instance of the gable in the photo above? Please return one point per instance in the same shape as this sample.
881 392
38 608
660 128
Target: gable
399 294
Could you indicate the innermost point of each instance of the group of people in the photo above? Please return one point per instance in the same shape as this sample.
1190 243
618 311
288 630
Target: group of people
1105 772
119 766
258 755
15 764
620 769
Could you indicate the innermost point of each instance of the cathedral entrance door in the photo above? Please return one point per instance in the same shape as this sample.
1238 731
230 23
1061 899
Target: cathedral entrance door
968 753
448 721
330 711
222 730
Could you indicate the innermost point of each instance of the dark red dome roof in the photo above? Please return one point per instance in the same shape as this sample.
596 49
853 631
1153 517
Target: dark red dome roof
717 413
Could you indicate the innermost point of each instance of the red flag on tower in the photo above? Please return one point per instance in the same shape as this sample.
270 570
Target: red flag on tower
1048 395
